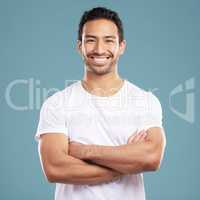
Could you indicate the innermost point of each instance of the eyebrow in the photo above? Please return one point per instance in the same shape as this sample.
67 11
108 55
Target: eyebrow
92 36
110 36
107 37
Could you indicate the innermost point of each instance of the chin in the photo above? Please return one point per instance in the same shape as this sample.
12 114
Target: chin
100 70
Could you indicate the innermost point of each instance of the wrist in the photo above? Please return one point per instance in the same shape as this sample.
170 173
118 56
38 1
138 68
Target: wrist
87 152
78 150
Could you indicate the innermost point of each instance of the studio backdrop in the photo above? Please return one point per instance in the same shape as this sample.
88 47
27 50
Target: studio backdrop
38 57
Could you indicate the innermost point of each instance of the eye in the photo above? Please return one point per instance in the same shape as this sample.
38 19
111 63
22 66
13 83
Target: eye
109 41
90 40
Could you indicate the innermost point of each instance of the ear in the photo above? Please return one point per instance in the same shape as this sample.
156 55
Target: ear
79 46
122 46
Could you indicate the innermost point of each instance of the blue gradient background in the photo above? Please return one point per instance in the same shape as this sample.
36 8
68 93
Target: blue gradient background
38 40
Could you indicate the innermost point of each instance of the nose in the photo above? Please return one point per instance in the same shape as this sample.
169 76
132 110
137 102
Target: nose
99 47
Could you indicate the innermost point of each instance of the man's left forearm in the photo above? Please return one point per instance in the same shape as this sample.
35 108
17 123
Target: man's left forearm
129 158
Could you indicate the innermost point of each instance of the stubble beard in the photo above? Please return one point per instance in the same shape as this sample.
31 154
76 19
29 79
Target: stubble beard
101 70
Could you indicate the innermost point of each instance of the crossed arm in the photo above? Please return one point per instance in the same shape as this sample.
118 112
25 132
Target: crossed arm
135 157
64 162
59 167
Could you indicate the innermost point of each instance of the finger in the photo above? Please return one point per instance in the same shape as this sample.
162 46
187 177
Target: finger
142 136
130 140
136 137
132 136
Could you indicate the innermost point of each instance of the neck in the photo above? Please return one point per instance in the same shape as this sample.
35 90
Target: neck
102 85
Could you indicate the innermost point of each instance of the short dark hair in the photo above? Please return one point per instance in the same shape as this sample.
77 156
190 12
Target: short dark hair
101 13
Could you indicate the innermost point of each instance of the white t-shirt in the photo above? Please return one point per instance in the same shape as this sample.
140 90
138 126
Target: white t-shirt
91 119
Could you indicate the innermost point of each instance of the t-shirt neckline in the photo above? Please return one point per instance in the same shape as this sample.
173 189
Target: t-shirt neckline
111 96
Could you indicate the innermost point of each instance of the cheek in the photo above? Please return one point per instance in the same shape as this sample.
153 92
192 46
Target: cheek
88 48
115 50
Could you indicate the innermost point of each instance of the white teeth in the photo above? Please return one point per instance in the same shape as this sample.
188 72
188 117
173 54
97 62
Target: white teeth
100 59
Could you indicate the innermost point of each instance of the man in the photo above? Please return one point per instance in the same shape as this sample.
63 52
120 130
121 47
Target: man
98 135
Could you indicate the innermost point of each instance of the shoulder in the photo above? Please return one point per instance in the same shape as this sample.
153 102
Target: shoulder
59 98
141 95
136 92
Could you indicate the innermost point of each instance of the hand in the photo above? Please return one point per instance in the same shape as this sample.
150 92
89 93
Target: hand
137 137
76 150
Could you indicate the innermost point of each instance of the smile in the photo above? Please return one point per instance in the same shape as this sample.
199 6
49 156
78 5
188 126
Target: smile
100 60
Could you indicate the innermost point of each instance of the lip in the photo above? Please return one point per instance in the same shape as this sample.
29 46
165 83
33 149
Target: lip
99 59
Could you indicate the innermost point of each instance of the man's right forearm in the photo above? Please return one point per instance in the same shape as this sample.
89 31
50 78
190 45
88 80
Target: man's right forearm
75 171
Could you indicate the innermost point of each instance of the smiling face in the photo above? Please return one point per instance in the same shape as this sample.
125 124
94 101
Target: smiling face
100 46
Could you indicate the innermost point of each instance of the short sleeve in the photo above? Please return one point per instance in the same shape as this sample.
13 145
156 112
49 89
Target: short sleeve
52 117
152 117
